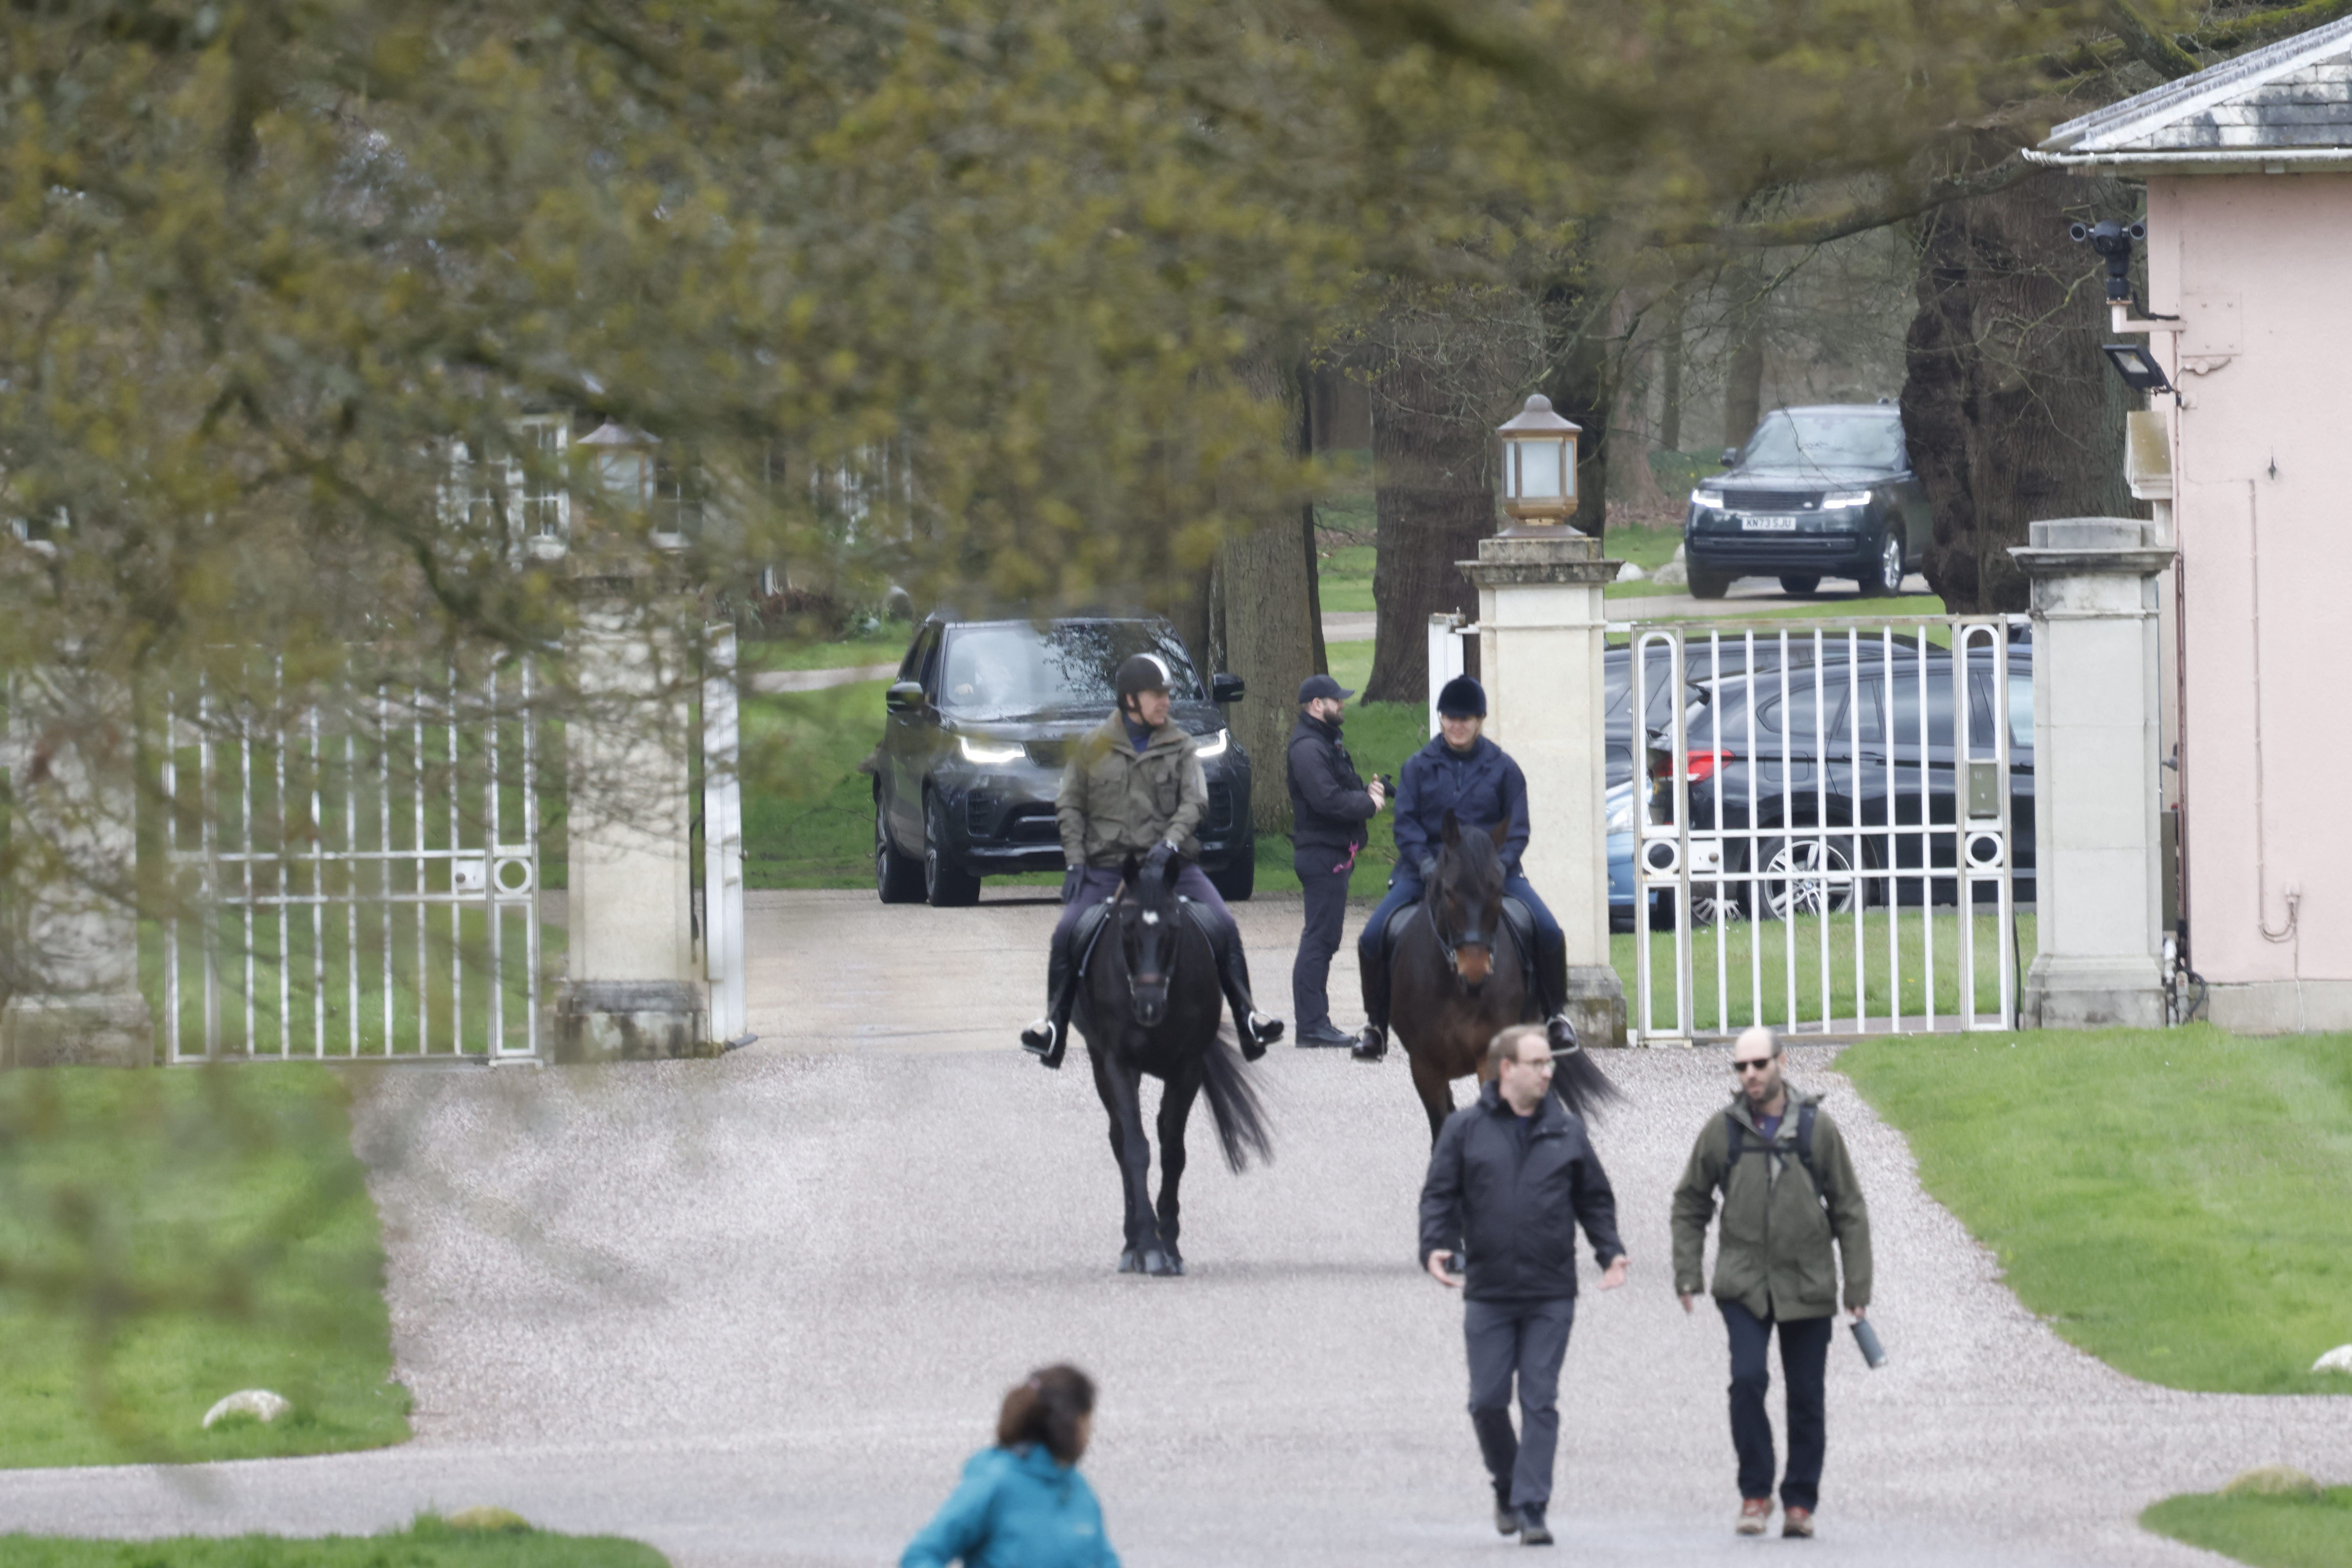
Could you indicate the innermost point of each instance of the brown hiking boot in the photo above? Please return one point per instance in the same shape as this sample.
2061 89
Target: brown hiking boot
1754 1513
1797 1521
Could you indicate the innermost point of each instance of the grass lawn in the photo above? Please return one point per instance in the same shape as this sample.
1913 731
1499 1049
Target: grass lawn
2177 1203
808 813
428 1543
1344 579
887 649
167 1237
2265 1532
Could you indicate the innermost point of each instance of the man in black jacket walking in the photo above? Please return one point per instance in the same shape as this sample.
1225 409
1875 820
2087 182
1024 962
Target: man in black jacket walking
1511 1178
1329 808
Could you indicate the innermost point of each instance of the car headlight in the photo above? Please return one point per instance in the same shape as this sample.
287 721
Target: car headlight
1213 745
1708 501
1620 811
989 752
1842 500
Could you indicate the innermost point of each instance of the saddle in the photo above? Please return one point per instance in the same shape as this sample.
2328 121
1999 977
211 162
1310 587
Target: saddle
1092 919
1521 924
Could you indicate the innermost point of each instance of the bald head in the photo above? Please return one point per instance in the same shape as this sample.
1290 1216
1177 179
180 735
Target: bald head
1756 1060
1755 1038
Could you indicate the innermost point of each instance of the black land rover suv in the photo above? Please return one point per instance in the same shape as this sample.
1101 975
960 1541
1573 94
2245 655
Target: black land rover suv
980 721
1817 492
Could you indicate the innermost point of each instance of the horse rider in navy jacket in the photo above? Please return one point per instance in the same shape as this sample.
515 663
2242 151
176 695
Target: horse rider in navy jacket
1462 772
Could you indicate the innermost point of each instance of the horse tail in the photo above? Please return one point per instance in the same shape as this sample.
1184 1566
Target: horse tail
1234 1104
1580 1084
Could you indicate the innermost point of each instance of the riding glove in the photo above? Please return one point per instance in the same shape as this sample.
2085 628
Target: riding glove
1161 853
1070 880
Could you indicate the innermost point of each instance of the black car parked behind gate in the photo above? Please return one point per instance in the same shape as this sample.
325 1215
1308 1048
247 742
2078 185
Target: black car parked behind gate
980 721
1817 492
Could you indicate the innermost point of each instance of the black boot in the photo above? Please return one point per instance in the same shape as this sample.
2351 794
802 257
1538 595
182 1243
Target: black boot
1049 1036
1257 1030
1551 994
1373 1043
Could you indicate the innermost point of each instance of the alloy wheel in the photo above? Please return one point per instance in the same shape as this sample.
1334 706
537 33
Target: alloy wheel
1808 877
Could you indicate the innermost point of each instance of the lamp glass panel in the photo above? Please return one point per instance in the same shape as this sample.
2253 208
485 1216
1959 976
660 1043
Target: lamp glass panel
1540 467
624 473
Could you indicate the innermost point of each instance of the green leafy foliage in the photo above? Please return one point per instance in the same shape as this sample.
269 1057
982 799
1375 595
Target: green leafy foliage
167 1239
2176 1203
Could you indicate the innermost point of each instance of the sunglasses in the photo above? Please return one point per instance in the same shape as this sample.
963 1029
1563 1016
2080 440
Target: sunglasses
1758 1065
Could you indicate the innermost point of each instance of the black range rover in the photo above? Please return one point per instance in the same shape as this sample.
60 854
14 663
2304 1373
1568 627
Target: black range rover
982 718
1817 492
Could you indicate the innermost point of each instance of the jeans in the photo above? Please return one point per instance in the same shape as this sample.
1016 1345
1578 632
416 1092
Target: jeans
1805 1359
1100 882
1530 1339
1327 917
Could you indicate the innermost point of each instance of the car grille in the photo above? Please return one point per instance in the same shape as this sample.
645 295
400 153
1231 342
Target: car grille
1771 500
1220 807
1048 754
1031 824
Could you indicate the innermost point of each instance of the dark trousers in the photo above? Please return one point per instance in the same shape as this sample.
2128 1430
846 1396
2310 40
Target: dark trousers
1530 1339
1804 1358
1100 882
1327 916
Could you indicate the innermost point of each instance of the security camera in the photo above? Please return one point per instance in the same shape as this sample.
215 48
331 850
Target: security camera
2114 241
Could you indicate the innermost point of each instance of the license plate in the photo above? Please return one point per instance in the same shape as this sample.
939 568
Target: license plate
1768 524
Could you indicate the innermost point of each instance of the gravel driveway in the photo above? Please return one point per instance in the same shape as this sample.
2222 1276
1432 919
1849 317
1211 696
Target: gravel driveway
757 1310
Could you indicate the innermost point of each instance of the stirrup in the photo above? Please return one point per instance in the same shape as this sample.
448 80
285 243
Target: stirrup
1040 1039
1560 1030
1371 1044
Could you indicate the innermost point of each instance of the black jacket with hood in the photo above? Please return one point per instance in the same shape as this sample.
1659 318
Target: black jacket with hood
1515 1200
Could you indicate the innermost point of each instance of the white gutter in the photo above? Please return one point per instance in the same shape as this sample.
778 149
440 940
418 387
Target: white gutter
2203 155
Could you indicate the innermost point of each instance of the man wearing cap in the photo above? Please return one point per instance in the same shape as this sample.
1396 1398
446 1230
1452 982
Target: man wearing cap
1462 772
1329 805
1134 787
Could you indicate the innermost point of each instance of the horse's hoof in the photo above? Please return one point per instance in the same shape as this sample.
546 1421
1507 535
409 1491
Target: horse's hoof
1128 1263
1159 1265
1175 1263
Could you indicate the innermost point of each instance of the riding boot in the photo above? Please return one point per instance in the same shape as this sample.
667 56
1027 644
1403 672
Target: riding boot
1372 1044
1049 1036
1257 1030
1551 993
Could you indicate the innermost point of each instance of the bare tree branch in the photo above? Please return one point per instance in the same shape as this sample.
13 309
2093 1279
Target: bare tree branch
2156 51
1908 201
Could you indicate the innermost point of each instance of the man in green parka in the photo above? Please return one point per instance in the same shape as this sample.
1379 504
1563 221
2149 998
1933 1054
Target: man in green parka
1788 1190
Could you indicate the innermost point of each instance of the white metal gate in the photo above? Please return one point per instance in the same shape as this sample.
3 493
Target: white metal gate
722 842
355 869
1829 825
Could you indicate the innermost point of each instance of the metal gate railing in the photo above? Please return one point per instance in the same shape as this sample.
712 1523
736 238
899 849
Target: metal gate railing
1830 826
354 875
723 844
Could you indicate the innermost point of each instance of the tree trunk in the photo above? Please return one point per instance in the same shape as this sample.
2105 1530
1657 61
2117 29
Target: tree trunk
1743 378
2009 407
1670 376
1434 502
1575 332
1307 448
1268 579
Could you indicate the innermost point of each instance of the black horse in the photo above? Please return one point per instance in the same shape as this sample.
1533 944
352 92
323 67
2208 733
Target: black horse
1457 979
1150 1003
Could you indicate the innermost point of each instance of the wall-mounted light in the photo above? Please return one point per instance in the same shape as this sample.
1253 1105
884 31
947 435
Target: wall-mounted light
2137 366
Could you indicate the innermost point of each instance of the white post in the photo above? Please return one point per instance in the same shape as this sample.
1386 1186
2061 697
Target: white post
634 989
1444 659
1540 652
2098 783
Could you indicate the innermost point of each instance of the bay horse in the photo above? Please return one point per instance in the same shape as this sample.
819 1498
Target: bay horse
1150 1003
1457 979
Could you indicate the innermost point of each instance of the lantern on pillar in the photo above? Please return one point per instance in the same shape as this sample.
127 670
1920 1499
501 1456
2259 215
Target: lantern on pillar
1538 464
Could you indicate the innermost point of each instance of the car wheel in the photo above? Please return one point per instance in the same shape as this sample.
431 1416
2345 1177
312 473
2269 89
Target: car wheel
946 885
1888 580
897 877
1709 585
1806 875
1238 880
1799 586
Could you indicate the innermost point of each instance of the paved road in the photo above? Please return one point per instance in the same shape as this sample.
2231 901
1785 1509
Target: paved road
757 1311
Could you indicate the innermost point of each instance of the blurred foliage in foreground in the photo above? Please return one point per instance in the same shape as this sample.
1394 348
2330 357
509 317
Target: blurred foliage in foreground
167 1239
430 1543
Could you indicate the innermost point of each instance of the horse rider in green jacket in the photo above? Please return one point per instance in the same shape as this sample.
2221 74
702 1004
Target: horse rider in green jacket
1134 786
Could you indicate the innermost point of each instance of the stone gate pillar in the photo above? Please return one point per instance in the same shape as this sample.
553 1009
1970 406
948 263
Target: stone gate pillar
1540 646
633 990
2098 775
74 942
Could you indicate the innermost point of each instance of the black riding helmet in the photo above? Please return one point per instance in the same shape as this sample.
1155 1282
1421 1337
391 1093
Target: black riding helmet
1462 698
1143 672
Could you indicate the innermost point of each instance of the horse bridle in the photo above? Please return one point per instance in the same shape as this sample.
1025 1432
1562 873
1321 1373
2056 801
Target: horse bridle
1453 944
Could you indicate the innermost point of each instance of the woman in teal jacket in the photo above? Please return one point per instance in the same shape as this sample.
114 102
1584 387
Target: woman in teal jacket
1022 1503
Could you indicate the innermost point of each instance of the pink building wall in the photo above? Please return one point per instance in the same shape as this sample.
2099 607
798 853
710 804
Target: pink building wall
2259 267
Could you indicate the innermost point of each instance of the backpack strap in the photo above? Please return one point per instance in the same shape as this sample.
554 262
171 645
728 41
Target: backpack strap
1736 1144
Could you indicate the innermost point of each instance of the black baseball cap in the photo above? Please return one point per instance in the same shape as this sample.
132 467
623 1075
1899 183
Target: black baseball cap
1315 686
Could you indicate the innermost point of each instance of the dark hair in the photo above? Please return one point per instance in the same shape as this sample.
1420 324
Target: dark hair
1047 1409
